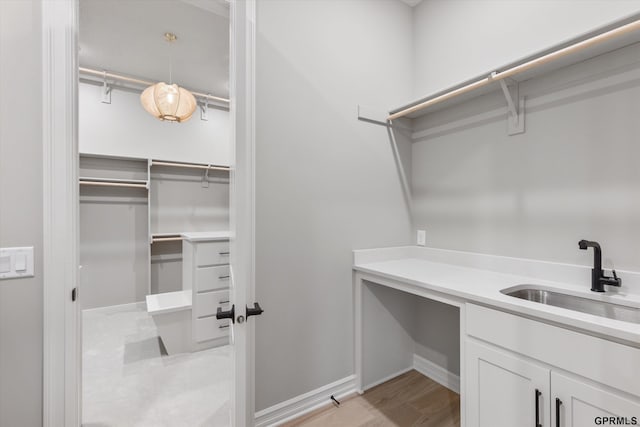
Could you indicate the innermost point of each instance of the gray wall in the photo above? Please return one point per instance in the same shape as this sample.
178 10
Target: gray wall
326 183
124 128
573 174
452 45
21 211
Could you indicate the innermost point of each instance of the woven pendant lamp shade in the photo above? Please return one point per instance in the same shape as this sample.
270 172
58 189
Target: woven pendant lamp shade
168 102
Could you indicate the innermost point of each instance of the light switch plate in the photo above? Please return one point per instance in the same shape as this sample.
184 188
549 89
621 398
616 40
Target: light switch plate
20 262
421 239
5 264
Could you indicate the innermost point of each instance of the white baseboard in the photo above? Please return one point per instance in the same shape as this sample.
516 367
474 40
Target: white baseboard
387 378
305 403
315 399
436 373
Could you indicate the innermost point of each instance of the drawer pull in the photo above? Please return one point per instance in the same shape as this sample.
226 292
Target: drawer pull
558 403
223 277
224 302
223 326
223 253
538 393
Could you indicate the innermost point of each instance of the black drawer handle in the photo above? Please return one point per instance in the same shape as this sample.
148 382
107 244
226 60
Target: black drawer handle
223 253
558 404
223 326
538 394
223 277
224 302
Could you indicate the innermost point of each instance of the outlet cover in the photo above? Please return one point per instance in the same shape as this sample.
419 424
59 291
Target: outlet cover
421 239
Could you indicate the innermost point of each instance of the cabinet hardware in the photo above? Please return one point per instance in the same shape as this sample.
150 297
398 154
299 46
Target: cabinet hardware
224 302
74 294
223 277
538 394
558 404
223 253
256 310
229 314
223 326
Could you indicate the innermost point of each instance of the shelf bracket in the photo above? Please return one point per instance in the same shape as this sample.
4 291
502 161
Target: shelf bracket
515 106
204 110
106 90
205 177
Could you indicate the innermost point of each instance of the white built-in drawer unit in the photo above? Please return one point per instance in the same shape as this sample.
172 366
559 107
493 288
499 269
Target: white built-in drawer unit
210 328
212 278
206 273
208 302
212 253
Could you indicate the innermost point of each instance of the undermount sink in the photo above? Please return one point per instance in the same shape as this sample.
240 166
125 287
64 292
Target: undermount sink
576 303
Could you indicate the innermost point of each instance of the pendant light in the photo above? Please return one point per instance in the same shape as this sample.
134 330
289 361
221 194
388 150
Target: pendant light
168 102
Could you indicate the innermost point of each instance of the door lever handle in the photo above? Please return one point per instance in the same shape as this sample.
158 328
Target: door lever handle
229 314
255 311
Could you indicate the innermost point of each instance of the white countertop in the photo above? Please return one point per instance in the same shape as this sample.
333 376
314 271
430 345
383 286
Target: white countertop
199 236
415 266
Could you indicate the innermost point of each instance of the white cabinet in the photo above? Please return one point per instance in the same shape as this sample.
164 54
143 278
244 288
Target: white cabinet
504 390
565 373
206 274
579 404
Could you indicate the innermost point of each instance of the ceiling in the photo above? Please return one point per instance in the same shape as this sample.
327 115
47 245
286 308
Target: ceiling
412 3
127 37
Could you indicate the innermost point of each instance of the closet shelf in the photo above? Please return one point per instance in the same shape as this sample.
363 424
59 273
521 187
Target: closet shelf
189 165
112 182
165 237
603 40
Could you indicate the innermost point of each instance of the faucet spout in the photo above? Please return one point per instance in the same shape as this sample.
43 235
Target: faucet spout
598 278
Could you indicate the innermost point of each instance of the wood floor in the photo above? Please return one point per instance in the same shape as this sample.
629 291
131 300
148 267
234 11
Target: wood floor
408 400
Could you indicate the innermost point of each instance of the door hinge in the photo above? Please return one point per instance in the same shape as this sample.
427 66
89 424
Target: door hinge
74 294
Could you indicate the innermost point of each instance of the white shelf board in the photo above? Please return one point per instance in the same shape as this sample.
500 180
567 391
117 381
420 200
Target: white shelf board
122 181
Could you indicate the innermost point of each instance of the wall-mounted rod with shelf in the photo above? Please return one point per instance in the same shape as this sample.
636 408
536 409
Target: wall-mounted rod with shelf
140 82
103 182
189 165
156 238
611 35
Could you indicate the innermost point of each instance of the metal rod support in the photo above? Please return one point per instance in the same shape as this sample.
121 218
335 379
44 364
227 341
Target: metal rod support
140 82
189 165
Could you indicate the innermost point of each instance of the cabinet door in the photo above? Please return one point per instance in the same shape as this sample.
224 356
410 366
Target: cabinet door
504 390
578 404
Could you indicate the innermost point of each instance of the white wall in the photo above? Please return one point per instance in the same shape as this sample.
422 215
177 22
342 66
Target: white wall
326 183
124 128
572 175
21 211
456 40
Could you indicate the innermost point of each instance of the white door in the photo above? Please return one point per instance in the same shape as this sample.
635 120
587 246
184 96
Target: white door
504 390
241 290
578 404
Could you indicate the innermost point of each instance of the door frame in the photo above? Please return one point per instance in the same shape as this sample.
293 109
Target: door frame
61 316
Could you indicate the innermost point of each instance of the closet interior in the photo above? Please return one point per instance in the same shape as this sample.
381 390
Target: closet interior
154 212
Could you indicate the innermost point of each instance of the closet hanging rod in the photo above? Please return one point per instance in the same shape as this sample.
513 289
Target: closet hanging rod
188 165
541 60
113 76
112 184
165 239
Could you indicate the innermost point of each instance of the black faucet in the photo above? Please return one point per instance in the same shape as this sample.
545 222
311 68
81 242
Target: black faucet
598 279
